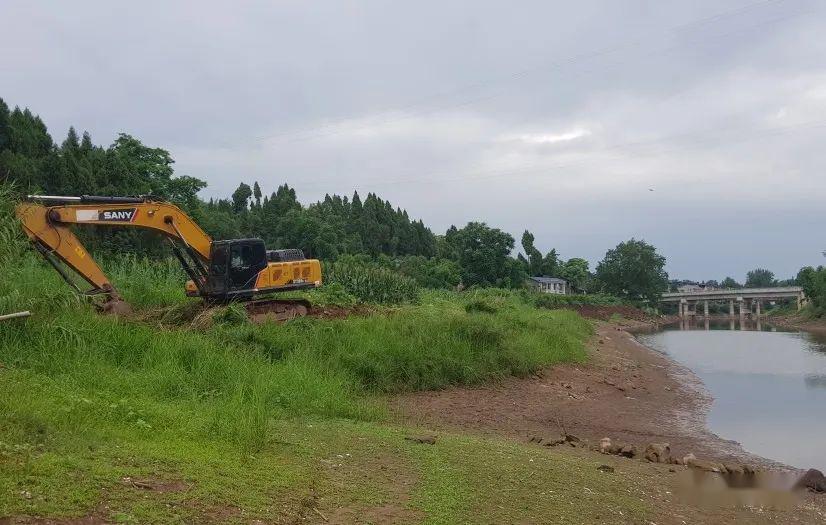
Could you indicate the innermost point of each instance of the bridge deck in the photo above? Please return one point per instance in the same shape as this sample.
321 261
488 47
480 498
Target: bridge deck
734 294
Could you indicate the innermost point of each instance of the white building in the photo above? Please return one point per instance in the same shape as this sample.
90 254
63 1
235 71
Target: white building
549 285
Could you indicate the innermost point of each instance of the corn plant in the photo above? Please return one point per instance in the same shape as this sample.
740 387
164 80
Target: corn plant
372 283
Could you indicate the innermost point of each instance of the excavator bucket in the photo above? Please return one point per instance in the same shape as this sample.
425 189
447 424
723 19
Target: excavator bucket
116 306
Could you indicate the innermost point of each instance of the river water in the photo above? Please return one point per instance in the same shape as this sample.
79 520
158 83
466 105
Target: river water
768 384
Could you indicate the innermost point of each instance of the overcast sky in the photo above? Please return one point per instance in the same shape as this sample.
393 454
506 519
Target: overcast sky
698 126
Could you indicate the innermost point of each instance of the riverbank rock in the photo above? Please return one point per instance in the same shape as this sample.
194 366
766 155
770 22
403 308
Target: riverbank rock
813 480
562 439
658 453
622 449
606 446
707 466
628 451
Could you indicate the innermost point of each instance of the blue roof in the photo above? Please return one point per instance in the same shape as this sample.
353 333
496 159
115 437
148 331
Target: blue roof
548 280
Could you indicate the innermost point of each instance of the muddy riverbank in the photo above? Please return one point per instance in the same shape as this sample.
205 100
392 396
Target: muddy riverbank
799 322
626 392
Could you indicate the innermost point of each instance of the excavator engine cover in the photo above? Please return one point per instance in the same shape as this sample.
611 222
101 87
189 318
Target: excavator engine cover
291 254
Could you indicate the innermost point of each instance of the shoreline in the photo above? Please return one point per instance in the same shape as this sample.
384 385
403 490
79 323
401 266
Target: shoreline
626 391
795 322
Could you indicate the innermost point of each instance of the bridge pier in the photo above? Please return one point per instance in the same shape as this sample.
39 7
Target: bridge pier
758 308
742 307
705 309
731 308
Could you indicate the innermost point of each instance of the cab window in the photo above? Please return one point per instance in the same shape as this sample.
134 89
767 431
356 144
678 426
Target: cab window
219 261
241 257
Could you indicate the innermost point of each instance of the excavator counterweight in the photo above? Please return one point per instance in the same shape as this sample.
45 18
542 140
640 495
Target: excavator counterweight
218 271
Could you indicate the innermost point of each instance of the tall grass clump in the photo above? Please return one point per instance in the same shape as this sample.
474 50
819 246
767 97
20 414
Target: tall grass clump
12 240
27 284
180 380
426 347
370 283
145 282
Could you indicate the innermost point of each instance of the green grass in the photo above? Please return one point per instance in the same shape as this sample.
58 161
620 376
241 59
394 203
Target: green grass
268 421
341 468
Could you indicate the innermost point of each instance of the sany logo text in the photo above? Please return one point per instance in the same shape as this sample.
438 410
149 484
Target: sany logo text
117 215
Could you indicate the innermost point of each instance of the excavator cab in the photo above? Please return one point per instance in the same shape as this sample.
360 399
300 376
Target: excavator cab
234 267
241 269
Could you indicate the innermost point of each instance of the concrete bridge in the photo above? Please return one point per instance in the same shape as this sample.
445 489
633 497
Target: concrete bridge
748 300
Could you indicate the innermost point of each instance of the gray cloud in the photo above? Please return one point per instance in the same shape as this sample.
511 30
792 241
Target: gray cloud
552 116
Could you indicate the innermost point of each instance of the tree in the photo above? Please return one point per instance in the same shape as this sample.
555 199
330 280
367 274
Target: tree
240 197
806 279
729 282
4 125
532 255
550 264
760 278
483 254
575 271
256 191
633 270
431 272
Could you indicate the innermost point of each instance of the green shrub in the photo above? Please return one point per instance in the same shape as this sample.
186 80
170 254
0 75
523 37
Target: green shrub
332 294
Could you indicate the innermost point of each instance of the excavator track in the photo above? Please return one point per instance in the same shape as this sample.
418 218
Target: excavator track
278 309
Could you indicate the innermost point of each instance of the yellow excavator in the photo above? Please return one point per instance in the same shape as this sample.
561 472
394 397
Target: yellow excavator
219 271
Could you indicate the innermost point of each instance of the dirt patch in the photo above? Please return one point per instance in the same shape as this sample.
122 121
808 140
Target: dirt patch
606 312
339 312
396 480
199 316
160 486
620 315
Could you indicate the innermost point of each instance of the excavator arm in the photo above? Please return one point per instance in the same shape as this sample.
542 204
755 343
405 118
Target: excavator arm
48 227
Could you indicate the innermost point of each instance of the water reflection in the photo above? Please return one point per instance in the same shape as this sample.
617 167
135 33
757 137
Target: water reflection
768 383
816 381
734 323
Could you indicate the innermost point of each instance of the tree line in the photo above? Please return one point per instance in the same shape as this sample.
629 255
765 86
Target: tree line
368 230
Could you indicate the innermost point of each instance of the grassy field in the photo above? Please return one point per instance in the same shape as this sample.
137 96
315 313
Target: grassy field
155 418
